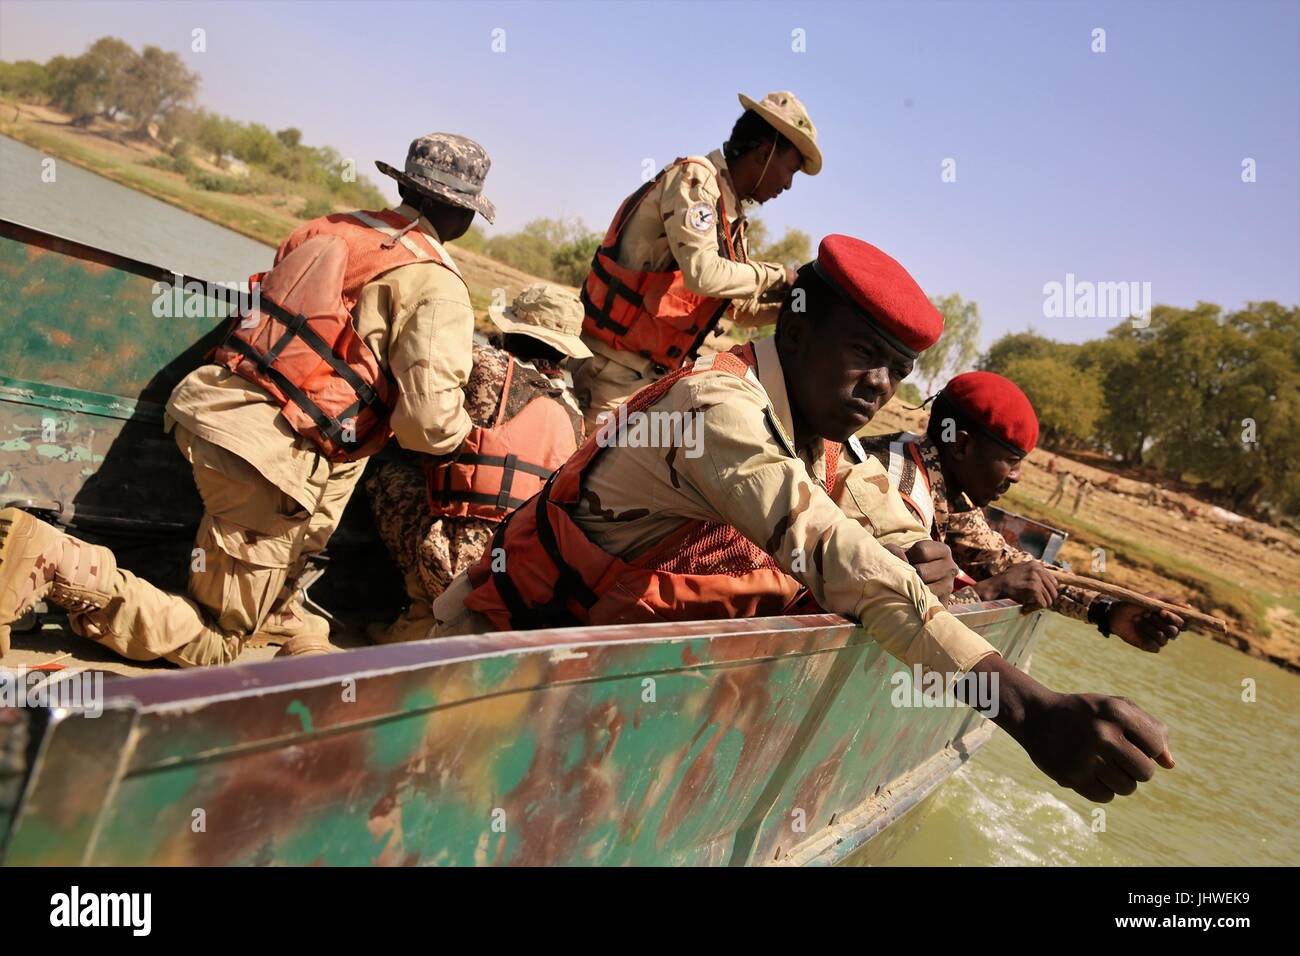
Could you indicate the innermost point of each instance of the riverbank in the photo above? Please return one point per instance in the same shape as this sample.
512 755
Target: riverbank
267 218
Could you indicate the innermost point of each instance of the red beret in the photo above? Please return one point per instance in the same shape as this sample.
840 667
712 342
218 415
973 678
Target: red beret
996 405
878 286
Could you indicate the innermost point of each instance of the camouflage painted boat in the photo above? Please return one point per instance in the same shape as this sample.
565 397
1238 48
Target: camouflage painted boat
775 740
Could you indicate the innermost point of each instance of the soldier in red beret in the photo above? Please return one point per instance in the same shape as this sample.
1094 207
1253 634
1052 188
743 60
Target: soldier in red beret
720 491
982 426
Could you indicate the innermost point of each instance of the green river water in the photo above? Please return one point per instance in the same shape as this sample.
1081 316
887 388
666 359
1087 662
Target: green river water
1232 799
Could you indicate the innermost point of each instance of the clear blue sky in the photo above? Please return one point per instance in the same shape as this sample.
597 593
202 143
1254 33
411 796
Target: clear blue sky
1117 166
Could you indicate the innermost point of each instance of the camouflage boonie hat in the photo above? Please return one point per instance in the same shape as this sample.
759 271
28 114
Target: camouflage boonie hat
548 314
784 111
447 167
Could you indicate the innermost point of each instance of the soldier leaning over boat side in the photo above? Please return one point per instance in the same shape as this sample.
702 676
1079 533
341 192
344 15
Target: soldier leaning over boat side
675 259
278 425
732 525
437 517
981 427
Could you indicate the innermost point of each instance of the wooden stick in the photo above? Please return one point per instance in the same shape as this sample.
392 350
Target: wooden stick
1202 622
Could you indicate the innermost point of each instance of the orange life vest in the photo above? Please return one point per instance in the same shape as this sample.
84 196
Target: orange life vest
301 345
553 575
652 313
501 467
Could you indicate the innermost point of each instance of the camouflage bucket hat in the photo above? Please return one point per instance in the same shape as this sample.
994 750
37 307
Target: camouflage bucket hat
447 167
784 111
547 314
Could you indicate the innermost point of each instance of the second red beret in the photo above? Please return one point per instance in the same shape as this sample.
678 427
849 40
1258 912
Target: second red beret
998 406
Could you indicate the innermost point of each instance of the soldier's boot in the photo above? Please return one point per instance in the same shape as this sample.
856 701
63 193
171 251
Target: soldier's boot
305 645
290 619
414 624
38 561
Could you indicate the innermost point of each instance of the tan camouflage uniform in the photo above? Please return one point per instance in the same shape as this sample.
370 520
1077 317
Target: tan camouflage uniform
750 476
432 550
978 550
660 234
271 501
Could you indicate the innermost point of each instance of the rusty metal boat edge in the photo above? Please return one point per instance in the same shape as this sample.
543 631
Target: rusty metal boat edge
761 741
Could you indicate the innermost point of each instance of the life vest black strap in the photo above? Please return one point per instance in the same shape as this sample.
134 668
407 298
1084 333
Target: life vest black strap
569 585
615 288
330 428
496 461
296 326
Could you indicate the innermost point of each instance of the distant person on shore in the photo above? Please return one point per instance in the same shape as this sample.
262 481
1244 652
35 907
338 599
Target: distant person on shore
1081 495
1058 495
675 257
981 427
752 509
279 423
437 517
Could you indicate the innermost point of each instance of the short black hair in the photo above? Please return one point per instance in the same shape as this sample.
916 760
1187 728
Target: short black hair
810 294
941 410
750 132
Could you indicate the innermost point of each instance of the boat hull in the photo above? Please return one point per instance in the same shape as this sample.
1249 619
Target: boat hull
774 740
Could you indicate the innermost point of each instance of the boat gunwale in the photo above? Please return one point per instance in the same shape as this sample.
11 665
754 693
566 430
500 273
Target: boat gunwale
173 689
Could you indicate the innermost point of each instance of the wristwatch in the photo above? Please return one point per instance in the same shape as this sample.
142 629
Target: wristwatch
1099 614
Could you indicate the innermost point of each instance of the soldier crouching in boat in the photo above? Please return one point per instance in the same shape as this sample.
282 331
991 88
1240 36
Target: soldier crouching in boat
436 517
762 505
981 428
363 332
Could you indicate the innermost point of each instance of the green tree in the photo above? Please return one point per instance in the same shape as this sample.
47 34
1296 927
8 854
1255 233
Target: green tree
256 145
571 261
957 347
157 83
1068 401
1030 344
793 249
25 80
215 134
111 62
532 248
71 82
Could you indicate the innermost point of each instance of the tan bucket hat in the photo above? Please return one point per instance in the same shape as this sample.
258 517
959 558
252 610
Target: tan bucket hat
548 314
784 111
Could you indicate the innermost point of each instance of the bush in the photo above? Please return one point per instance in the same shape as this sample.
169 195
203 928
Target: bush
570 262
315 208
222 184
175 164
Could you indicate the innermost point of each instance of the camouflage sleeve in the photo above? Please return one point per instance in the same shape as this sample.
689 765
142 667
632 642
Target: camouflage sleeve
689 207
751 480
864 493
981 552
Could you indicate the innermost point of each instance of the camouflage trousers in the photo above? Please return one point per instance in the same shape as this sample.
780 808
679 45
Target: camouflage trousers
253 542
429 549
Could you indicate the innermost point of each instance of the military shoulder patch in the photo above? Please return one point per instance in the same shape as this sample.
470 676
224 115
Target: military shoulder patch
700 217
